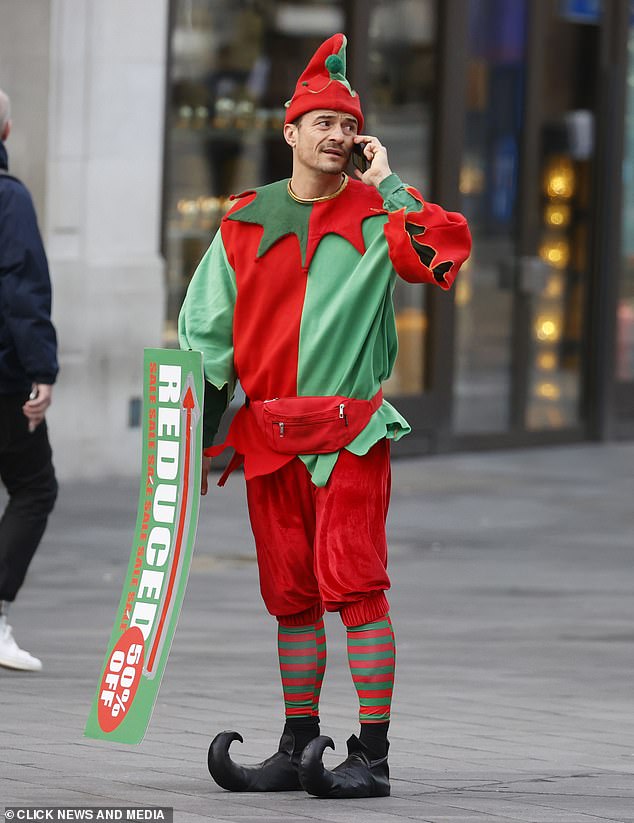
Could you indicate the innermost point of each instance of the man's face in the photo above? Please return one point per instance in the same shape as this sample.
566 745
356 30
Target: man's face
324 140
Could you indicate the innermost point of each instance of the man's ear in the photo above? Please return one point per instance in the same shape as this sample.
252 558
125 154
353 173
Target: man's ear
5 131
290 134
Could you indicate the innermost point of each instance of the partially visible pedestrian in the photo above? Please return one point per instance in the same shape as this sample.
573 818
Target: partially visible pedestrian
28 368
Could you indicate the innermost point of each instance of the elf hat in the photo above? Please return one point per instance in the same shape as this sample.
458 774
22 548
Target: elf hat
323 84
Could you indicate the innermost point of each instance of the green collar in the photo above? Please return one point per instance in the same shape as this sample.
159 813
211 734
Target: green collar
277 213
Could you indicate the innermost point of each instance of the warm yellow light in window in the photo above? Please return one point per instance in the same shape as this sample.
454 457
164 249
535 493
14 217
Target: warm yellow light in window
557 215
471 179
554 286
555 252
187 207
547 361
208 205
464 291
559 178
548 391
547 328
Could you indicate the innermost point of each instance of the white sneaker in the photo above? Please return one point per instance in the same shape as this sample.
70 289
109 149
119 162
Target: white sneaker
11 655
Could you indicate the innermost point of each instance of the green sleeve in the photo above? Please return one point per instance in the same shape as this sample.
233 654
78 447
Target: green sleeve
205 324
395 195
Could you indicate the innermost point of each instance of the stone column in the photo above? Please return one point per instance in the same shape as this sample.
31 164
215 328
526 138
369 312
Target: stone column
24 72
103 217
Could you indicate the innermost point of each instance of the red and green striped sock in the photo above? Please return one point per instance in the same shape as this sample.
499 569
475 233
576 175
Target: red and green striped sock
372 654
320 640
302 656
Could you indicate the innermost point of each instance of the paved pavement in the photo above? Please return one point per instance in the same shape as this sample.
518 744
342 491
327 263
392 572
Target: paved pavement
513 607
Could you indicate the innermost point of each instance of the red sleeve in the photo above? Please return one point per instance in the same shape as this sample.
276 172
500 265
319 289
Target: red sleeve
427 246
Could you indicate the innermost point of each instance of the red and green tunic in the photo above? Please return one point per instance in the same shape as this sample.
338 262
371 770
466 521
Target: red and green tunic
295 299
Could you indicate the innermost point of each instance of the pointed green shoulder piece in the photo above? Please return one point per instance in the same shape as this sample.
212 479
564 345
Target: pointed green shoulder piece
278 214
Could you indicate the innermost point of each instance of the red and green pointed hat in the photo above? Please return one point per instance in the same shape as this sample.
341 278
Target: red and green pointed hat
323 84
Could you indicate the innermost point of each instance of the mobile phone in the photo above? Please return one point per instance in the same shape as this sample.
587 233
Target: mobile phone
359 160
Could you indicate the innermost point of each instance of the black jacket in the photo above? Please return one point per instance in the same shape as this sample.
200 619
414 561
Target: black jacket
28 344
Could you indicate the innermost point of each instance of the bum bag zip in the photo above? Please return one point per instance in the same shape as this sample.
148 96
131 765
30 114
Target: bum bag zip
310 419
312 425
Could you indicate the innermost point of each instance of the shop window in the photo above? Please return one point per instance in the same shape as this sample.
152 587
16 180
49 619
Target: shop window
567 149
520 315
489 190
558 304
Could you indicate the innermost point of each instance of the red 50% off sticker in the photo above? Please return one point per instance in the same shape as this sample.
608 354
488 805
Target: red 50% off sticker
121 679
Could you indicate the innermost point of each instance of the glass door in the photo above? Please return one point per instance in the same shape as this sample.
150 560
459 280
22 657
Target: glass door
526 184
558 240
489 176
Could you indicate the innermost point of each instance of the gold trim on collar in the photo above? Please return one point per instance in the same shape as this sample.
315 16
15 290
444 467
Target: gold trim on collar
307 200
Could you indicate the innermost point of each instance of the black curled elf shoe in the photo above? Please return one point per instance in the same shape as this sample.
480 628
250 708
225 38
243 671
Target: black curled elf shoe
277 773
357 776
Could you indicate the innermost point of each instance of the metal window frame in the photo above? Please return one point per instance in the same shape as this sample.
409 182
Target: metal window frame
610 403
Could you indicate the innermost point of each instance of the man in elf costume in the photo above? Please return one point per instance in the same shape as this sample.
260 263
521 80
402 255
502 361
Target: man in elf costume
294 299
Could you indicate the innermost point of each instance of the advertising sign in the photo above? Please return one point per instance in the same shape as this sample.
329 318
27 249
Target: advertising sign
167 515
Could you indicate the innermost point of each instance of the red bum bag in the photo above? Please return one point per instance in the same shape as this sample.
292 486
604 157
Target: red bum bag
313 425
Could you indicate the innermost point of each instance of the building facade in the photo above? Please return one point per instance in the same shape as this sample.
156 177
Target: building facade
134 122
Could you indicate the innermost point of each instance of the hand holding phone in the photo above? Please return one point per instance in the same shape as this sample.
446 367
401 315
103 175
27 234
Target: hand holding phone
374 170
359 160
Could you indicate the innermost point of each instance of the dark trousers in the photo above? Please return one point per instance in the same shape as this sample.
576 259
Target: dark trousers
26 470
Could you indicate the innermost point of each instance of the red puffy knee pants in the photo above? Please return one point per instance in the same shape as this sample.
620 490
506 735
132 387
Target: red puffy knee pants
324 547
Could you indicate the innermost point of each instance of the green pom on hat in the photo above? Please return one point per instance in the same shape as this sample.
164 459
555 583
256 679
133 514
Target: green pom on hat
334 64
